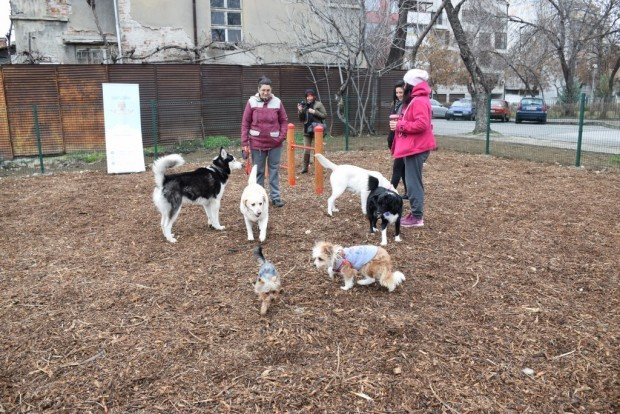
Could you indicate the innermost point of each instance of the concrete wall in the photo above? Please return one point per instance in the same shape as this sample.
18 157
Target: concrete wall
48 30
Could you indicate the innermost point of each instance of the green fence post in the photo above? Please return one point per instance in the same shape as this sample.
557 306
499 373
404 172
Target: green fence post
346 126
582 108
38 132
486 150
154 122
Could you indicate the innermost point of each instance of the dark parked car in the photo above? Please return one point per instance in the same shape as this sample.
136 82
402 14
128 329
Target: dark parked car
500 110
463 109
531 109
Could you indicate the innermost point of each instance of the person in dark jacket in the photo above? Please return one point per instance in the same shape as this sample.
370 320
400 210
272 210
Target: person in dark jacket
311 113
398 166
263 130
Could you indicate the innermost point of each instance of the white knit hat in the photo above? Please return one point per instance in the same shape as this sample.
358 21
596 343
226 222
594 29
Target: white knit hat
415 76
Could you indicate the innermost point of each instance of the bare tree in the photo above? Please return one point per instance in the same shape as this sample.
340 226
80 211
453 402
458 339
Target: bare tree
444 65
530 60
359 42
570 26
480 18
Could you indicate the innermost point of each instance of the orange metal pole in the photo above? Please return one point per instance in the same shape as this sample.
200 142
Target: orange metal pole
290 150
318 168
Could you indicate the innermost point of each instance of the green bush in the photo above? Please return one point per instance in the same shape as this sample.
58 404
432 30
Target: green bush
87 157
216 141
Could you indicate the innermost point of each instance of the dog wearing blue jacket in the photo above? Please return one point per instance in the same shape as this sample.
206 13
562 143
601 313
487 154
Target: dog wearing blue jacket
372 262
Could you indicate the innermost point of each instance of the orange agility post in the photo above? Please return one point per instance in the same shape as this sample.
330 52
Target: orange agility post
290 149
318 168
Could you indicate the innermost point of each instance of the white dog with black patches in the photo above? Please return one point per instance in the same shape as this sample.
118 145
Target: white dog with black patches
352 178
255 207
203 186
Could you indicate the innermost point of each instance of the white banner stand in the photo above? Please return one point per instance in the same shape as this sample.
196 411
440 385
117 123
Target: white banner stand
123 131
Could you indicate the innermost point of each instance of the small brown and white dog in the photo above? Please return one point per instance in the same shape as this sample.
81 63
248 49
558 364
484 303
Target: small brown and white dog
372 262
267 285
255 207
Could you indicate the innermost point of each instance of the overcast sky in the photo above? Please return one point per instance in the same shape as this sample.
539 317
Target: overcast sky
5 22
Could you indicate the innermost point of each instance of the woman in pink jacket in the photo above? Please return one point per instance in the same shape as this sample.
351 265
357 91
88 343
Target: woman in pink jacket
263 130
414 140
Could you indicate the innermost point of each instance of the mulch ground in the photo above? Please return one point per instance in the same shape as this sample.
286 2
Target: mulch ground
516 269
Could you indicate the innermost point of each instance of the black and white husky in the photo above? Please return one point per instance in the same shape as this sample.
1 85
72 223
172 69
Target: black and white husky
204 186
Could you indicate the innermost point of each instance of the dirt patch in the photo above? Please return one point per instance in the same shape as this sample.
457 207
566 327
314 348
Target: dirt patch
517 267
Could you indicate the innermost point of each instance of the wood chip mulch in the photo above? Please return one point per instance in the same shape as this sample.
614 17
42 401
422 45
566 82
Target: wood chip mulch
510 303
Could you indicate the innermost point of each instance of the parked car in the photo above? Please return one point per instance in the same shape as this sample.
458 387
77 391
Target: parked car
500 110
439 111
531 109
463 109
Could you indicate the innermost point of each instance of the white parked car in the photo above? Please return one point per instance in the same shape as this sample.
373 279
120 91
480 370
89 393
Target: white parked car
439 111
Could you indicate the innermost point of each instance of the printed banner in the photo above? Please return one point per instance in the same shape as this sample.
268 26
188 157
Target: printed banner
123 132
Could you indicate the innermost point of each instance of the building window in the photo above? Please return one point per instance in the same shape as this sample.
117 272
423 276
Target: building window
484 39
439 19
226 21
92 56
445 36
422 6
501 41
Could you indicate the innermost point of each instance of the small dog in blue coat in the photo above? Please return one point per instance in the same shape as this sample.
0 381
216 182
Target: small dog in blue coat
372 262
267 285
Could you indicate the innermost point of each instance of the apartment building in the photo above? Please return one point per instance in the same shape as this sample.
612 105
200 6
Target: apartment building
244 32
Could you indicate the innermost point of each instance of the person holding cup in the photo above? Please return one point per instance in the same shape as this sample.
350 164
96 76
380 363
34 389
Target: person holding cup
414 140
398 166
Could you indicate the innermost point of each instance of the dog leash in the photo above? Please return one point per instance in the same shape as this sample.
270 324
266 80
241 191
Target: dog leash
248 161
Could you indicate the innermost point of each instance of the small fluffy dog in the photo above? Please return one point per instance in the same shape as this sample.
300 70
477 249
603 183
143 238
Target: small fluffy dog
372 262
267 284
352 178
204 186
255 206
385 204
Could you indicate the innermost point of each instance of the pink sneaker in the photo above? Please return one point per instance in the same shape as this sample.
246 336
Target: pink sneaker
411 221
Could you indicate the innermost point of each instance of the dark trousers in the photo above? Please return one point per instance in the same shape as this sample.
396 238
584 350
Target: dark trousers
413 179
398 172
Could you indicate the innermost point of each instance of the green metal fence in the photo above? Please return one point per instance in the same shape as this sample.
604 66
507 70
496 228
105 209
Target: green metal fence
50 139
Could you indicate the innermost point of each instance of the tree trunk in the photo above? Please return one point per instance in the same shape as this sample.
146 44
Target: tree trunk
397 50
481 88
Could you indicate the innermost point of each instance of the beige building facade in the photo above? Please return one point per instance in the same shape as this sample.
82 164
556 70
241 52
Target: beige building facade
244 32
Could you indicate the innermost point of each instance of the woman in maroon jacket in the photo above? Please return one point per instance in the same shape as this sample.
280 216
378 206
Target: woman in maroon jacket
263 130
414 140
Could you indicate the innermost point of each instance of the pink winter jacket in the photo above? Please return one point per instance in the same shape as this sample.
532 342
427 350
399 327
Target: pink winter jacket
264 124
414 131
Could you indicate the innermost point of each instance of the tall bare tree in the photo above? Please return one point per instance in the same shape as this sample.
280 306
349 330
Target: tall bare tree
473 35
570 26
344 34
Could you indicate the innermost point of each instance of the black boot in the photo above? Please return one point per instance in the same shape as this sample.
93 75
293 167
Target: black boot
306 164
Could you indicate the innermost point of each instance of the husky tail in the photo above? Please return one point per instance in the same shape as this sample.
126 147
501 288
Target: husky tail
325 162
252 179
162 164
